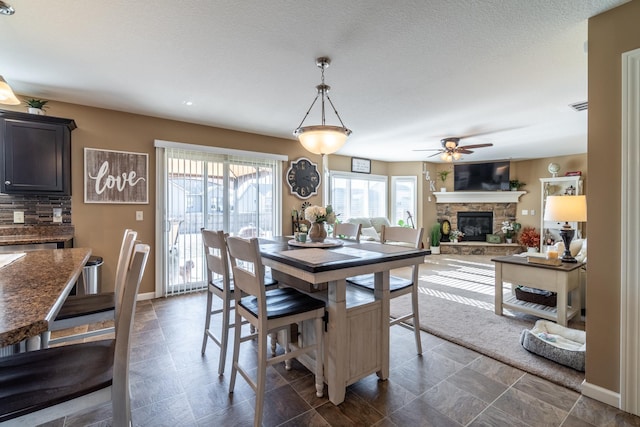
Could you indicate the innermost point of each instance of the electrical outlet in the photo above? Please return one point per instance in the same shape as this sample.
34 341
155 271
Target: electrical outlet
18 217
139 216
533 212
57 214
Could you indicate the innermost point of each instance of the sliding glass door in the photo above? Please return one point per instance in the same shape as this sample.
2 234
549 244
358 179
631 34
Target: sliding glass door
217 189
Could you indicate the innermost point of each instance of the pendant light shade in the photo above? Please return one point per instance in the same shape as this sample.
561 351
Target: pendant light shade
322 139
7 96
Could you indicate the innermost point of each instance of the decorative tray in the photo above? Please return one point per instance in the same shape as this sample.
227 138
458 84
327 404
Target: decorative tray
328 243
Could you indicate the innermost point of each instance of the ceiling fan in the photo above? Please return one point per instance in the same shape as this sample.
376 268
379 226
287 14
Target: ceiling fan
451 150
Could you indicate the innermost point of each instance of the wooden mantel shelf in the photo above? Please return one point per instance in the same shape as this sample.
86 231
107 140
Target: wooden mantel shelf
478 196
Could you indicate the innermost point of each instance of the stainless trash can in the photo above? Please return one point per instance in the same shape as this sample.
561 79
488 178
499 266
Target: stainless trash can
92 275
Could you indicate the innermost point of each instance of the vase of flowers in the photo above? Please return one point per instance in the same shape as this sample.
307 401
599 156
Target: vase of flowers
507 230
530 238
318 215
456 235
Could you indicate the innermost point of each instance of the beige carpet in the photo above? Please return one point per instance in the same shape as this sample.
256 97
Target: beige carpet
457 304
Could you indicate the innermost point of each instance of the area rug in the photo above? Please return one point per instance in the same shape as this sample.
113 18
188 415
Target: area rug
457 304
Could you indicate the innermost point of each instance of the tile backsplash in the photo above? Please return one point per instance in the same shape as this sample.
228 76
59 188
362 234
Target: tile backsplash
38 209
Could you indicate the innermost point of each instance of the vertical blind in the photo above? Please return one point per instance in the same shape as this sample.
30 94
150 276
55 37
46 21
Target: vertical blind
230 191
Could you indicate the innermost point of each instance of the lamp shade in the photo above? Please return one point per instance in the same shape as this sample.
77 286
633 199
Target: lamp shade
322 139
566 208
7 96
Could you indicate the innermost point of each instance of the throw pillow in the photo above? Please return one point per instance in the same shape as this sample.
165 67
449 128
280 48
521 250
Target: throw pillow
370 234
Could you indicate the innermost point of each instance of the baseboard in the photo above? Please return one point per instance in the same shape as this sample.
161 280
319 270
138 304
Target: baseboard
601 394
147 296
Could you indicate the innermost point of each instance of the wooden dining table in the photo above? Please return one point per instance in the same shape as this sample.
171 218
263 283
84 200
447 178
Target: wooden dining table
356 341
32 290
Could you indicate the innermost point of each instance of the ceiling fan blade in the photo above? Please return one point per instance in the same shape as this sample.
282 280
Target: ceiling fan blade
429 149
476 146
433 155
463 150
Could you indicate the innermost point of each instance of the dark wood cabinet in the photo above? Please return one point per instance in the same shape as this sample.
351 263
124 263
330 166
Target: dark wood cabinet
35 154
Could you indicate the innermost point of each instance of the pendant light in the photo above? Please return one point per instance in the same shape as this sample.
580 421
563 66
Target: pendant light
7 96
322 139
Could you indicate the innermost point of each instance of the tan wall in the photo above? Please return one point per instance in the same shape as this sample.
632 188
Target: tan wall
610 34
100 226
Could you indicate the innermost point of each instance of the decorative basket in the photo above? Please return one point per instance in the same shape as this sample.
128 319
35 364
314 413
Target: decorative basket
537 296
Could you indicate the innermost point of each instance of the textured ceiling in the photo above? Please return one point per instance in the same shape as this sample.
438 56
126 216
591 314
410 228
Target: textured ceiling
403 75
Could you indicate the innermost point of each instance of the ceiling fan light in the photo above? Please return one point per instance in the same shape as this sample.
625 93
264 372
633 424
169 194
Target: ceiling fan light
456 156
322 139
7 96
450 143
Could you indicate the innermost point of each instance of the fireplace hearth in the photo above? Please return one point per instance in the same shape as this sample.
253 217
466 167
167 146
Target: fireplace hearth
475 225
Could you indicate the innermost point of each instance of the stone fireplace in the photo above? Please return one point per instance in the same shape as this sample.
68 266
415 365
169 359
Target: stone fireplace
499 206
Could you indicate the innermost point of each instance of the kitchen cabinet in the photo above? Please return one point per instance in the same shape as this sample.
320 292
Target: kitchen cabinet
557 186
35 154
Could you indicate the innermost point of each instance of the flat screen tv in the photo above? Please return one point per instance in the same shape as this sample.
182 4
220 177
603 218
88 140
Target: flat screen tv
481 176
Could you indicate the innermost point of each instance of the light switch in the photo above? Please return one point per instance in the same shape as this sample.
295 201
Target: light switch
139 216
525 212
533 212
18 217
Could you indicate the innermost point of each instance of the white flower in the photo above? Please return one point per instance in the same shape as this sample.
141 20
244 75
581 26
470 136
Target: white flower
320 214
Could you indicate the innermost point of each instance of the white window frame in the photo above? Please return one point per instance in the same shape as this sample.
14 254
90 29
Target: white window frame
362 177
395 180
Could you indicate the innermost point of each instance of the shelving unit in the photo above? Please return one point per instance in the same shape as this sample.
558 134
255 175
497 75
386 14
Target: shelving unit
561 185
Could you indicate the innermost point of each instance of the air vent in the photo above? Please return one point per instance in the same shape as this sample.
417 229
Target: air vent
579 106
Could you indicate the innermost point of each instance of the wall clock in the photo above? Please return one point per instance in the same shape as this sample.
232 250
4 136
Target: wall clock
303 178
445 230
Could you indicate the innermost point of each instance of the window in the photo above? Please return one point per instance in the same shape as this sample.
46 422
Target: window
354 195
403 199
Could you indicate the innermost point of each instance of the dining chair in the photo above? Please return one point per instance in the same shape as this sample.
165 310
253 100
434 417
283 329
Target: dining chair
40 386
80 310
398 286
347 231
220 283
269 311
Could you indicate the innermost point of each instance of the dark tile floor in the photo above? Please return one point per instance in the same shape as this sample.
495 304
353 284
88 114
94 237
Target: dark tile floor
173 385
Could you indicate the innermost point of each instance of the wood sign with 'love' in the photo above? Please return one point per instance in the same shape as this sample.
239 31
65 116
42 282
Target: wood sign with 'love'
115 177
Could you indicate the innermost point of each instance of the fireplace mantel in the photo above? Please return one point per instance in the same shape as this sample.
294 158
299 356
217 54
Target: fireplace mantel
478 196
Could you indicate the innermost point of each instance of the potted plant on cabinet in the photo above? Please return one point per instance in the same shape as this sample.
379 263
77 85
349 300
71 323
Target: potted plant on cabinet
435 239
530 238
36 106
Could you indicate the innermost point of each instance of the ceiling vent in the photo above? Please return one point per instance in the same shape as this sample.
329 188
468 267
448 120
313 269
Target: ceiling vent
580 106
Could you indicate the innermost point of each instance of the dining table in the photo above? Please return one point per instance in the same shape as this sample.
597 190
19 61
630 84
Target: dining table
33 287
356 340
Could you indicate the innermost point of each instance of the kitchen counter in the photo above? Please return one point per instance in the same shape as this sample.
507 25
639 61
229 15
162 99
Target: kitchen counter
33 288
35 234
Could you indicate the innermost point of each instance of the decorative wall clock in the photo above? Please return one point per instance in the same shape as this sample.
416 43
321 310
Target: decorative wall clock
303 178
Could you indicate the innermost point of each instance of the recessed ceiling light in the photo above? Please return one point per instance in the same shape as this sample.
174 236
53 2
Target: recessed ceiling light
6 9
187 103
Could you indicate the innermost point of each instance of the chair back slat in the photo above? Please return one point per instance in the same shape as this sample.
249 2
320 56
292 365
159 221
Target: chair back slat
120 392
124 262
216 256
351 231
246 263
411 236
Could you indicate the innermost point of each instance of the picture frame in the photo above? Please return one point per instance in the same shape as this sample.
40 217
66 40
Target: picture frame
360 165
120 177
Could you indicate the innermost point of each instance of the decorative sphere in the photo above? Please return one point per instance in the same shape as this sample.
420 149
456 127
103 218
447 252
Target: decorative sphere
553 169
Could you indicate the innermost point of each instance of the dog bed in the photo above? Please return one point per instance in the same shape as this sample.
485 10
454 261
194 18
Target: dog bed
555 342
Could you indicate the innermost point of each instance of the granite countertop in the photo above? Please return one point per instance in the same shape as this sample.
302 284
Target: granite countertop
29 234
33 288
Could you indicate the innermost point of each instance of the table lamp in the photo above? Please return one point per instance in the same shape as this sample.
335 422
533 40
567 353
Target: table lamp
567 209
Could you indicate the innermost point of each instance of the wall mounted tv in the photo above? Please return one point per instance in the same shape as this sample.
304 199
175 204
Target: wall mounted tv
481 176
